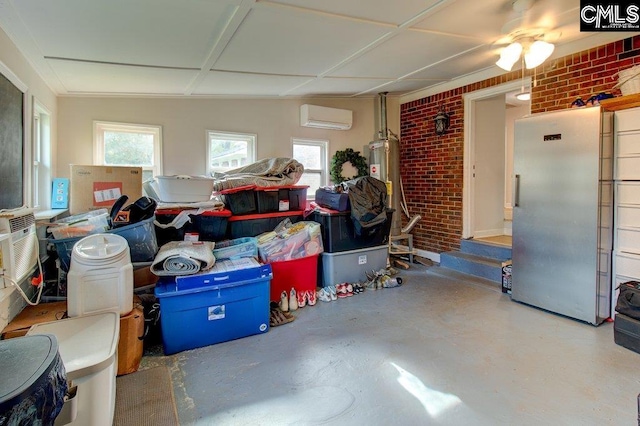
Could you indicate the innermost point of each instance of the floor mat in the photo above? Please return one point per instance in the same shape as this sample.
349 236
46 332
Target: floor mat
145 398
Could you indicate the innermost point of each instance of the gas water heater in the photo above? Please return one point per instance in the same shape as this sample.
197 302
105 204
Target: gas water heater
384 164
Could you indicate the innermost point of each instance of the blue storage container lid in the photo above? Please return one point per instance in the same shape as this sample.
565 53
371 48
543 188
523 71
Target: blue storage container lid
223 275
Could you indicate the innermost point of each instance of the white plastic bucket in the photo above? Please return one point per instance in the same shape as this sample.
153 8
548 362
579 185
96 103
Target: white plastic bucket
100 277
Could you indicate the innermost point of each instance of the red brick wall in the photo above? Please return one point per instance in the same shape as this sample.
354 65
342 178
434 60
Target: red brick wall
432 166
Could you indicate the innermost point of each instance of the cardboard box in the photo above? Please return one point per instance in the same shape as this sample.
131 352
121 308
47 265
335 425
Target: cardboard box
143 277
30 315
94 187
130 345
506 277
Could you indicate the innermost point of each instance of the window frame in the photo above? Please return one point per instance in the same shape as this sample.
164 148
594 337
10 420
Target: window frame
100 127
40 156
250 138
324 150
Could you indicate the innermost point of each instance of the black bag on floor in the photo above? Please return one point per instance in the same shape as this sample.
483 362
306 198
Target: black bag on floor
628 302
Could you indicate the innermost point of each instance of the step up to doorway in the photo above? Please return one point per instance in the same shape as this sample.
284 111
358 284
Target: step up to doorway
485 249
478 258
472 264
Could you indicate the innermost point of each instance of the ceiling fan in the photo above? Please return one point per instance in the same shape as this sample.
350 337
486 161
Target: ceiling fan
526 35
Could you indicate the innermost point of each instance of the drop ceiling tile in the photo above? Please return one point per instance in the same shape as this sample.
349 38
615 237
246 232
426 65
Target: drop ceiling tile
483 57
406 52
82 77
149 32
485 19
395 12
336 86
227 83
481 20
404 86
289 41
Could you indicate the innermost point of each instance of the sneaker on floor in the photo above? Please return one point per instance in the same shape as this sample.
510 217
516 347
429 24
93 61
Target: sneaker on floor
302 298
324 295
311 297
333 293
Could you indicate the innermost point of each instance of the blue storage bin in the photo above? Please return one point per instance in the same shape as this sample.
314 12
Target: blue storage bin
208 308
141 237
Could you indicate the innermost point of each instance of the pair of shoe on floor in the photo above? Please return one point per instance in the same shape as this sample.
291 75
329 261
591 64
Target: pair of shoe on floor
381 279
278 317
296 299
339 291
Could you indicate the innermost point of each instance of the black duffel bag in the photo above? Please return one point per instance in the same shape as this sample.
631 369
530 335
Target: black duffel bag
629 299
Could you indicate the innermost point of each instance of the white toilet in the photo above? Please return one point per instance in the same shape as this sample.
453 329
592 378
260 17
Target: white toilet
88 346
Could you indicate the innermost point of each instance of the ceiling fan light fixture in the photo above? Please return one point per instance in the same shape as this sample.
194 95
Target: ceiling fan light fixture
523 96
509 56
537 53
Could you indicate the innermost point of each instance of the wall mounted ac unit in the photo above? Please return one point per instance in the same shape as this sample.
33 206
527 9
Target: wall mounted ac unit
19 244
325 118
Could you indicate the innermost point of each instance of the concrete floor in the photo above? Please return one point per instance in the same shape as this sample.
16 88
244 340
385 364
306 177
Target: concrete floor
436 351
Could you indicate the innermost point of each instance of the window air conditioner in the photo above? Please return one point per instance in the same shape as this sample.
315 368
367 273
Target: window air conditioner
18 244
325 118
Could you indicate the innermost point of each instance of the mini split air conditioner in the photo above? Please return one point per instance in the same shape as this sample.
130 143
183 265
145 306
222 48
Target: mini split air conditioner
325 118
18 244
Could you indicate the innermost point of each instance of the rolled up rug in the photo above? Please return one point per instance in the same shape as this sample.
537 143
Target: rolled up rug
183 258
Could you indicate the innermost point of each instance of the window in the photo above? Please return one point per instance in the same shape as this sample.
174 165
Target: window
41 156
313 156
135 145
226 151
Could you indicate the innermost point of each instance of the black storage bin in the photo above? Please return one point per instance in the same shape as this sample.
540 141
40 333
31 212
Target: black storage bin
256 224
338 232
240 200
269 199
211 225
164 235
626 332
297 196
333 200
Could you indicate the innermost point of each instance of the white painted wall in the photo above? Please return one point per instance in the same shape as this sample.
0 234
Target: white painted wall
184 122
489 181
15 62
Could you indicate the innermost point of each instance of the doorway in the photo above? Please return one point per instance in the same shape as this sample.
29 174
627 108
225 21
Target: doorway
489 116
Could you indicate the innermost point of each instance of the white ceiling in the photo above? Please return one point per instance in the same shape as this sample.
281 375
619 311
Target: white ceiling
273 47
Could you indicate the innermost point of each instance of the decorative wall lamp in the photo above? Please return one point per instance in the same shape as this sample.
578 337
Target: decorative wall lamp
441 122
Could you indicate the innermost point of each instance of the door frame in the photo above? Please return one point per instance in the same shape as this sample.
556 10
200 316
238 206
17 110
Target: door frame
468 197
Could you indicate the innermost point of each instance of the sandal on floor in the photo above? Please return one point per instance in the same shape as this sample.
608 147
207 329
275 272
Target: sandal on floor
277 317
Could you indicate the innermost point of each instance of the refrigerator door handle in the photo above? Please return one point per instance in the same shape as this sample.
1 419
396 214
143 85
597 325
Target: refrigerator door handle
516 196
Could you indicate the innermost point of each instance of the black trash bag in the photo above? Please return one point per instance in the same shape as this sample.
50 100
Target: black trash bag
152 327
143 208
368 199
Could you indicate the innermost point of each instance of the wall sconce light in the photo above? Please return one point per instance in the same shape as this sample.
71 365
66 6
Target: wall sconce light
441 122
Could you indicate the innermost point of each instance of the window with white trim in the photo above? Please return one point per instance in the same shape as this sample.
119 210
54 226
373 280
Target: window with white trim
313 156
41 157
132 145
227 150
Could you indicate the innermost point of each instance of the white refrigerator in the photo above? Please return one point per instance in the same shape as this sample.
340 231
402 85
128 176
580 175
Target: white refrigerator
562 213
